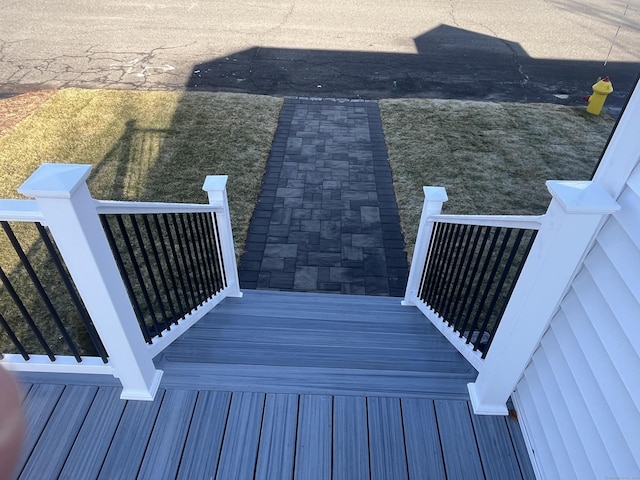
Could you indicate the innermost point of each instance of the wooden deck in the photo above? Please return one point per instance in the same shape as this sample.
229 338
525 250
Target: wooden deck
280 385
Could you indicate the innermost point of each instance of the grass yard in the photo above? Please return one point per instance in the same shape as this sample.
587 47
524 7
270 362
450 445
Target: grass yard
149 146
493 158
144 146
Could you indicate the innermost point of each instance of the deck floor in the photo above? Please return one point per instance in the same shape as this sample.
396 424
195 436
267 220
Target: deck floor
280 385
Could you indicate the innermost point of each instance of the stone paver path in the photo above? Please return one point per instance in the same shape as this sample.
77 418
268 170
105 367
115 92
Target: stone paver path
327 218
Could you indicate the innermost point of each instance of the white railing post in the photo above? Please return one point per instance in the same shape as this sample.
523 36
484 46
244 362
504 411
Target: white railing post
575 215
70 213
434 197
216 188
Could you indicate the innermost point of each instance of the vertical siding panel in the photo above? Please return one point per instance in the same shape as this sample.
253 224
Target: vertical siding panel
559 450
534 430
572 415
607 402
623 255
629 214
618 344
616 293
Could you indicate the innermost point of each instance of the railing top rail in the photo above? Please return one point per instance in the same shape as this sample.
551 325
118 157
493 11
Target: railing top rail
14 210
118 207
532 222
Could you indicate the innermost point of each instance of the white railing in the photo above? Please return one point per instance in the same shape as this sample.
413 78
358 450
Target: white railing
63 203
564 235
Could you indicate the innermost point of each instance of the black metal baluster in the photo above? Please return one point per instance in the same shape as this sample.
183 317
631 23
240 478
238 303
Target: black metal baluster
458 304
174 246
152 278
489 283
164 236
144 328
446 273
183 257
207 224
481 280
163 279
193 263
25 313
466 305
14 339
77 302
139 276
455 285
433 261
202 255
439 266
41 291
500 285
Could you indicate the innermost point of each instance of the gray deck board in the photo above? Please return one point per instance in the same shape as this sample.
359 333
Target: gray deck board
60 432
166 444
94 439
350 439
313 448
491 445
459 447
242 436
39 404
386 439
269 379
274 405
521 450
278 437
424 453
204 440
130 440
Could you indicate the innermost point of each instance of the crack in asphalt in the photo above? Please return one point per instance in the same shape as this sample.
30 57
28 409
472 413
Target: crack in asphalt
494 34
93 67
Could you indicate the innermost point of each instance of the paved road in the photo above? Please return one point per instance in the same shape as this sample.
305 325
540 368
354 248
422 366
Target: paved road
525 50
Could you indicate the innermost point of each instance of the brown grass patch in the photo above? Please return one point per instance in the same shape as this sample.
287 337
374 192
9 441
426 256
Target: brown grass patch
493 158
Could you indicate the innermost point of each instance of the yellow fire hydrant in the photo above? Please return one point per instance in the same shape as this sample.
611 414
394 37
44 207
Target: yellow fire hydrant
600 91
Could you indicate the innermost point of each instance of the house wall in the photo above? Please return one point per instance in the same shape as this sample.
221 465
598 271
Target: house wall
579 398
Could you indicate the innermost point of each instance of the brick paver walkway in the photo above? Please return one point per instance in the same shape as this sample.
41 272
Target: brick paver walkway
327 218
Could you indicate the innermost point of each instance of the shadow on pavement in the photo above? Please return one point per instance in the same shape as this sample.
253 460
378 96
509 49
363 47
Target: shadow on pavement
450 63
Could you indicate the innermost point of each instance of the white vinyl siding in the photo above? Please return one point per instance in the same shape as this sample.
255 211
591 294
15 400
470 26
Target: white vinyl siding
579 398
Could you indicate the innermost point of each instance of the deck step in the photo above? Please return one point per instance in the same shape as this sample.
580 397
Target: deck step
285 342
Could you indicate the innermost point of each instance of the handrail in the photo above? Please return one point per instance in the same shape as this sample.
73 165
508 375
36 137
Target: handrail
175 250
15 210
531 222
113 207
